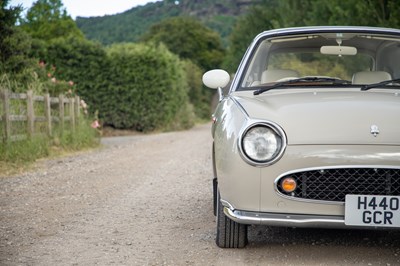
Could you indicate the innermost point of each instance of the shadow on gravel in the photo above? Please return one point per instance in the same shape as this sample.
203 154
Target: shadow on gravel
264 236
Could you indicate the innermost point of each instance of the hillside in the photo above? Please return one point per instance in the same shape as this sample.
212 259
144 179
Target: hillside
220 15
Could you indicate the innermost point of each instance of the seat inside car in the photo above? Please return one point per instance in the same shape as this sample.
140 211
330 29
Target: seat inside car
369 77
273 75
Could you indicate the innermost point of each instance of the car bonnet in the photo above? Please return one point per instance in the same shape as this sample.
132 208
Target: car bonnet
328 117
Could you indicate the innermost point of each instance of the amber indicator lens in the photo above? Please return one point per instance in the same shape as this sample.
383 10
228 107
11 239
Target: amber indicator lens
289 184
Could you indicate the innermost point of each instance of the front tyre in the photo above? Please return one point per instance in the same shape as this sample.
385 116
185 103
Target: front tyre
230 234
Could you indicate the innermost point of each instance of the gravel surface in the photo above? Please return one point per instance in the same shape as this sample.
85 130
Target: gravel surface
147 200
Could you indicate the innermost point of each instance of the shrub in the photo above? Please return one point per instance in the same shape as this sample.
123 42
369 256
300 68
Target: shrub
199 95
148 89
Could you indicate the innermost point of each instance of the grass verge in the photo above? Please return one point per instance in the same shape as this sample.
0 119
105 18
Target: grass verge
19 156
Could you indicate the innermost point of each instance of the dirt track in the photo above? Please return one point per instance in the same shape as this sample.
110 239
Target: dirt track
146 200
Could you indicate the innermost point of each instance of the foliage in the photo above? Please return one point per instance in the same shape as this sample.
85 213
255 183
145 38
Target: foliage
48 19
352 12
148 88
189 39
199 95
25 150
127 26
20 70
131 86
270 14
81 62
22 152
17 154
219 15
15 44
84 137
247 27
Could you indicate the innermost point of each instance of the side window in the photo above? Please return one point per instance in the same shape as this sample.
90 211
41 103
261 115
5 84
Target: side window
389 59
256 66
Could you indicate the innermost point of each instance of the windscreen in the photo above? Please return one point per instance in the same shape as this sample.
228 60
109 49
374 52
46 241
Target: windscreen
280 59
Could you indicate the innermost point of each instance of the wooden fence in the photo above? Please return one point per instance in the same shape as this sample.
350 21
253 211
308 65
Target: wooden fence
68 110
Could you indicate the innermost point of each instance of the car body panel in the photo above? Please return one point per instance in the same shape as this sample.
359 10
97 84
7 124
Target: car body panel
299 157
227 129
246 187
321 127
346 115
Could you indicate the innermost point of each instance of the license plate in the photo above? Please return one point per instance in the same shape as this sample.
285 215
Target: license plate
367 210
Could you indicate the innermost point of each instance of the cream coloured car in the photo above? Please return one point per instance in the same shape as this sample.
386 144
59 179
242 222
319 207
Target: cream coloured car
309 133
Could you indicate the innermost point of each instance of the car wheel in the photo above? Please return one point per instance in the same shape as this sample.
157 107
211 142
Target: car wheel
230 234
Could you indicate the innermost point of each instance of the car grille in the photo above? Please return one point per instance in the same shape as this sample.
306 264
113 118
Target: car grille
335 184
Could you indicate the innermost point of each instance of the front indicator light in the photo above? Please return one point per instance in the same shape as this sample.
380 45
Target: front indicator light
288 184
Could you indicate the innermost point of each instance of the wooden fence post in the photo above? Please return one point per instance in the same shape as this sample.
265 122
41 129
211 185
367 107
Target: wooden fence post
30 113
61 109
76 109
47 113
6 116
72 114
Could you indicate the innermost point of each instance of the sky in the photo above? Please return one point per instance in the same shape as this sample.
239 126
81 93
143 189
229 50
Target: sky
90 8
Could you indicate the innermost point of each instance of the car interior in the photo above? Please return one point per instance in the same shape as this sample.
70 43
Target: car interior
358 58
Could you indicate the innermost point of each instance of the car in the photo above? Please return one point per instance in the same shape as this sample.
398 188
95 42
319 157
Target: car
308 134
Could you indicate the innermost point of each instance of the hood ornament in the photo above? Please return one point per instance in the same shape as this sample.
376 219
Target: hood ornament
374 130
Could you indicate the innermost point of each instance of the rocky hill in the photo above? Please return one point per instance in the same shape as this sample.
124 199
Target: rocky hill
220 15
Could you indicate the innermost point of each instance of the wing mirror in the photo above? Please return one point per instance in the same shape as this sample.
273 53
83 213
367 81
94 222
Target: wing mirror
216 79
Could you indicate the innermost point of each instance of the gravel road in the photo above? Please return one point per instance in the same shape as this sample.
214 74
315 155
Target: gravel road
146 200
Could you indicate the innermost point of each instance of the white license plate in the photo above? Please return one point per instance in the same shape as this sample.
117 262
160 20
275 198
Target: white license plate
367 210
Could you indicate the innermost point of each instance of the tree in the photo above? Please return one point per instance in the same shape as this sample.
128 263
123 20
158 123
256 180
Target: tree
189 39
270 14
258 19
48 19
382 13
15 45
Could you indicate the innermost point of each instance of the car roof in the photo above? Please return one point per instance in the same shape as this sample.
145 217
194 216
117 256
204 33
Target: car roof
327 29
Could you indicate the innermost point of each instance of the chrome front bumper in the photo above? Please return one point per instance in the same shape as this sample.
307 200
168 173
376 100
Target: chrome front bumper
286 220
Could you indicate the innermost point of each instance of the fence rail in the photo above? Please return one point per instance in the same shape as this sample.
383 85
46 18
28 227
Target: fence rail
68 111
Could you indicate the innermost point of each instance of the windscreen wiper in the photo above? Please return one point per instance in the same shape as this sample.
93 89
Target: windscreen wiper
299 80
381 84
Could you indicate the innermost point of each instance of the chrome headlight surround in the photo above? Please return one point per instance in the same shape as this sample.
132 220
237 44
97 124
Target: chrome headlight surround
267 137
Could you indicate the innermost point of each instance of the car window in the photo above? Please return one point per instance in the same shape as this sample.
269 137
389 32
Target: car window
316 64
272 60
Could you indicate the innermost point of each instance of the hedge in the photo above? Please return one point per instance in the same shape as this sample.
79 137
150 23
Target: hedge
148 89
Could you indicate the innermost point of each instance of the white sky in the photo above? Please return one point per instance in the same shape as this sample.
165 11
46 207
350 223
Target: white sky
90 8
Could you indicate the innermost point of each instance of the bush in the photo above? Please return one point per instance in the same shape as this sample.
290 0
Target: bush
148 89
83 62
199 95
132 86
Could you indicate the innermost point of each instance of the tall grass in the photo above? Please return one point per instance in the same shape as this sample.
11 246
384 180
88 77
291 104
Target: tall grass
18 154
24 151
40 145
84 137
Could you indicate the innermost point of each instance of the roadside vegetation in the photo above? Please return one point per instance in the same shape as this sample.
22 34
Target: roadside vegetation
153 83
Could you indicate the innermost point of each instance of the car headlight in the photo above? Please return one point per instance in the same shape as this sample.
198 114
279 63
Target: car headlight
262 144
